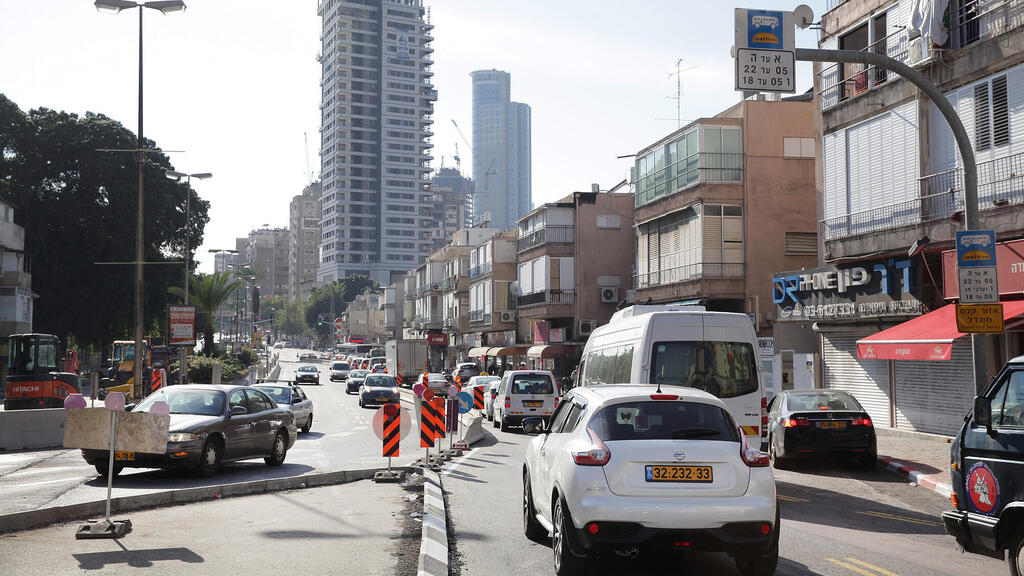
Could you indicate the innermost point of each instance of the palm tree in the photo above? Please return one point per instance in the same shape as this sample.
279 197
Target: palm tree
208 292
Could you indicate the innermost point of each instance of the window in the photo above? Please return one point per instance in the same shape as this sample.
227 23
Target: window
798 147
1008 402
608 221
532 384
663 420
258 402
609 366
724 369
982 129
559 417
237 399
801 243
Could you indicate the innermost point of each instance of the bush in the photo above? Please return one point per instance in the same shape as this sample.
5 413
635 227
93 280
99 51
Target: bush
247 357
200 369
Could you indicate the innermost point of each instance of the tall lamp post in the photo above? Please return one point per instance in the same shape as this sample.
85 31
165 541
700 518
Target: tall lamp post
177 176
165 7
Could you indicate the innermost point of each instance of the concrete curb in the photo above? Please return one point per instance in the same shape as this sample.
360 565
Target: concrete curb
434 544
58 514
920 478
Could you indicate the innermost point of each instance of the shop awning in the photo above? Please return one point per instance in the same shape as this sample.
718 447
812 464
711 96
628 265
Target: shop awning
927 337
546 351
507 351
479 351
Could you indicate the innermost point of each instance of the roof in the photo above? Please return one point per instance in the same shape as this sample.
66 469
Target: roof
607 393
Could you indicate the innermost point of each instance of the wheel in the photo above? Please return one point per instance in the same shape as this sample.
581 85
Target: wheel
869 462
102 467
1015 554
533 529
308 424
504 423
761 563
494 421
361 405
209 459
278 451
566 564
490 416
777 461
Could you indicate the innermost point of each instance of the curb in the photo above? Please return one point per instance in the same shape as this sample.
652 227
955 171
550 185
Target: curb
60 514
923 480
434 544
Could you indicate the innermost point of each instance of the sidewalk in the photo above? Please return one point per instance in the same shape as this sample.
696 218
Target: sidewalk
920 458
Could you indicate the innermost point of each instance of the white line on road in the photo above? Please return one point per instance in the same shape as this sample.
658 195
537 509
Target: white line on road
458 462
21 484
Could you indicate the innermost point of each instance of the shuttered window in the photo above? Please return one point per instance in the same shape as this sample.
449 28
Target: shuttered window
1000 112
982 130
801 243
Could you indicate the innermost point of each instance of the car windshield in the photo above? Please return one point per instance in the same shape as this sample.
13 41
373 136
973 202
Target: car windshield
186 401
532 384
663 420
340 366
307 369
380 381
359 373
725 369
280 394
822 401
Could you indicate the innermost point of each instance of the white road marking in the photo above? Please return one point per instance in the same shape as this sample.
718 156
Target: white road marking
20 484
456 464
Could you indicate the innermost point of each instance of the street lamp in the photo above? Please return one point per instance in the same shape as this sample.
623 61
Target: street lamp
177 176
165 7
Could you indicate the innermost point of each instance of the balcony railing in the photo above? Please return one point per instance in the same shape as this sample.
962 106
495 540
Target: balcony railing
548 234
975 20
450 283
547 297
479 270
688 273
1000 183
479 317
689 171
840 82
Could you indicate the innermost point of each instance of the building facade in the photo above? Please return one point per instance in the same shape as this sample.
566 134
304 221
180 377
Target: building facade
267 253
452 204
377 99
303 241
501 152
15 281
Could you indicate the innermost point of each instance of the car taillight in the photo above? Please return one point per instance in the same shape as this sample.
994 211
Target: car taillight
752 458
664 397
764 417
508 402
556 401
793 423
597 455
861 422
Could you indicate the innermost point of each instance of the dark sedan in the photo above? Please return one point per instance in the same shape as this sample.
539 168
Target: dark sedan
819 423
211 425
310 374
378 389
355 380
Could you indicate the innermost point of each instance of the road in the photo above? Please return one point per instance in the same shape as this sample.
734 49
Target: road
341 439
835 521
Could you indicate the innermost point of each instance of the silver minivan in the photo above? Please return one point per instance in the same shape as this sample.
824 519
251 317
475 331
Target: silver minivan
524 394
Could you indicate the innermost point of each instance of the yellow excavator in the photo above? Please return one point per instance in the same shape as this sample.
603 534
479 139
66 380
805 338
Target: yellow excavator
120 376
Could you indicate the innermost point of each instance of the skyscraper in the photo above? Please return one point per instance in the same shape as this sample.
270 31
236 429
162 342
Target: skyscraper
377 99
501 151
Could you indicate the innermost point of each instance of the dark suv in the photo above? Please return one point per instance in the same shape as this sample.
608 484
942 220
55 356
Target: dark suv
988 472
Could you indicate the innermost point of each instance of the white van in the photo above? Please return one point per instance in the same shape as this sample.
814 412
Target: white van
682 346
522 394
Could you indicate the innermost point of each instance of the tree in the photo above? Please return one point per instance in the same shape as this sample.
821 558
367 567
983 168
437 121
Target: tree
291 320
341 292
208 292
78 207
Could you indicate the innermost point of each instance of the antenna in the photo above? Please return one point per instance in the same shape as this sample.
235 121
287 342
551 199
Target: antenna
679 90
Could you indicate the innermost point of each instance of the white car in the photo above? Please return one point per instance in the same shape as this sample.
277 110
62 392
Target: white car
490 384
631 467
524 393
340 370
435 381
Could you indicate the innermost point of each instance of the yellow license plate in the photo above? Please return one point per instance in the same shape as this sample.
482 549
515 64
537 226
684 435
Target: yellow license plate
832 425
679 474
533 403
120 456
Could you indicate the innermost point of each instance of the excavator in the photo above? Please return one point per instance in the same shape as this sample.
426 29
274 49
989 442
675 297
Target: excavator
120 374
35 373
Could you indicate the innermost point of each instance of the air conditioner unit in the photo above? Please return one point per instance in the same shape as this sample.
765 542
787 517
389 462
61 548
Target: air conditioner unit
587 326
610 294
507 316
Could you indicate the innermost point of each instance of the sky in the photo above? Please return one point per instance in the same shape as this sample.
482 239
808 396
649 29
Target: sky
233 86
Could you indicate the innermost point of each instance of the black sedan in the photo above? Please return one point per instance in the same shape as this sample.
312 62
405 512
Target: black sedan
378 389
310 374
210 425
818 423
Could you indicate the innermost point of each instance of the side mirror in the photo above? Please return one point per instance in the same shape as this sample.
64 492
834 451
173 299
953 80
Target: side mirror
238 410
534 426
983 412
129 407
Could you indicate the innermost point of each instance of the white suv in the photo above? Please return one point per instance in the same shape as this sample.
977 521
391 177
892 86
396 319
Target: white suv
624 468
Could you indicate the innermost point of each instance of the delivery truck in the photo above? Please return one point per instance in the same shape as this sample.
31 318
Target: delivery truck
405 359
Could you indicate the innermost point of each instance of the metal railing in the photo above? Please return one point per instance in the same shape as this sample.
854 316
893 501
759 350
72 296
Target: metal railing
450 283
479 317
975 20
547 297
1000 183
689 273
547 234
689 171
840 82
479 270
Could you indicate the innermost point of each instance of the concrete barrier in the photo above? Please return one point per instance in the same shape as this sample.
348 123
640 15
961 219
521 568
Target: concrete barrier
474 427
28 429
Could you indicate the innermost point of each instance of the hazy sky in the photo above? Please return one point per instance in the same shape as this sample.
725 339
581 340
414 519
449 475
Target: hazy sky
235 84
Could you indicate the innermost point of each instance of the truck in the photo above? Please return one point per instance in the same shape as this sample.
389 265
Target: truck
405 359
35 376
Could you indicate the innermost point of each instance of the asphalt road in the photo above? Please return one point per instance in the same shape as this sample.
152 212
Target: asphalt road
835 521
341 439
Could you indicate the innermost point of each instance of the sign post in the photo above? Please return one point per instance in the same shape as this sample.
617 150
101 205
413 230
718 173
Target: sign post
976 266
764 51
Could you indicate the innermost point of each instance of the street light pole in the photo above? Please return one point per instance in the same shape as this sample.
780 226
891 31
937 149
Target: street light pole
177 176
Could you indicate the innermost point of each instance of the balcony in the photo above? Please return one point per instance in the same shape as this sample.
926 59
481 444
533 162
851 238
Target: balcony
548 234
546 297
978 20
479 270
450 284
838 83
479 317
689 273
1000 183
687 172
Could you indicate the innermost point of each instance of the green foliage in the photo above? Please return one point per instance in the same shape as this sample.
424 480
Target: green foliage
78 206
291 318
200 368
340 292
247 356
208 292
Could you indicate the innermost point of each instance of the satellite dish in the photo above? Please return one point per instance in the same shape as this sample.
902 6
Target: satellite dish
803 15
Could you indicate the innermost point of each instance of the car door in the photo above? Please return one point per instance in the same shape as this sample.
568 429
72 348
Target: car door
993 463
775 407
259 408
238 441
499 400
563 422
301 405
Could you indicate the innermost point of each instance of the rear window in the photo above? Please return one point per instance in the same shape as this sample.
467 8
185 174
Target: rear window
532 384
340 366
664 420
380 381
279 394
724 369
822 401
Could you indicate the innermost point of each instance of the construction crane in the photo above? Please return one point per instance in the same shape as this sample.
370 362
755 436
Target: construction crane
458 160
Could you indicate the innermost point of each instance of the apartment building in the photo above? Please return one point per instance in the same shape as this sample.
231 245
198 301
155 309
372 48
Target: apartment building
492 305
303 241
15 281
267 253
892 198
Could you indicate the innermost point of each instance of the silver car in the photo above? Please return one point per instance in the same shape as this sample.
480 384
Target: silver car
291 398
340 370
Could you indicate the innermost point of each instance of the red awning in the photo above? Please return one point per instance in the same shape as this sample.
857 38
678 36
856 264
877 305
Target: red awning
927 337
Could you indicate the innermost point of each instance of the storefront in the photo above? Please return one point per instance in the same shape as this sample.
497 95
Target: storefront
558 359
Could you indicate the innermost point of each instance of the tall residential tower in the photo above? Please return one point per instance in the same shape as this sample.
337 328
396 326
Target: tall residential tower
501 152
377 98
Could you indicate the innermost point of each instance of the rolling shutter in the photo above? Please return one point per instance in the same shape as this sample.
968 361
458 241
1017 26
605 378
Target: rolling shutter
867 380
933 395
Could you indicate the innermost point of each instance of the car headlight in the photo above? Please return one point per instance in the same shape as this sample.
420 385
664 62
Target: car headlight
395 390
181 437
